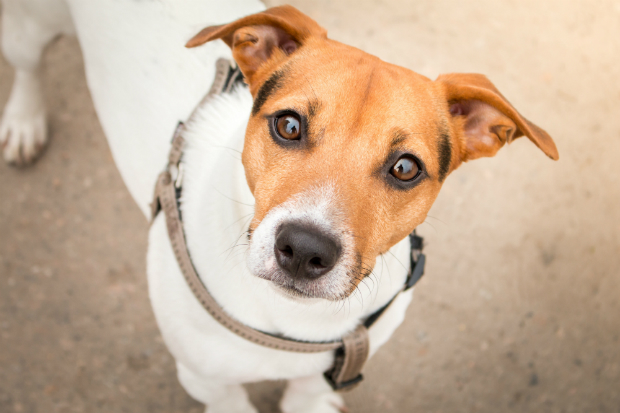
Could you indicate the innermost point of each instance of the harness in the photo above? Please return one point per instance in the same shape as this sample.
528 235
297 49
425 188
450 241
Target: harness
351 351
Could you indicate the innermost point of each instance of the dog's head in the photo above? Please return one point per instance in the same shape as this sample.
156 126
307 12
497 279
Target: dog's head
345 153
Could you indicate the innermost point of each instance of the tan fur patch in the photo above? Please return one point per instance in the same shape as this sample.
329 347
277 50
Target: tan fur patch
350 133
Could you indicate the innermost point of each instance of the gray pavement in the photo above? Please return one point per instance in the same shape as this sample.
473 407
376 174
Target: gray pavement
519 310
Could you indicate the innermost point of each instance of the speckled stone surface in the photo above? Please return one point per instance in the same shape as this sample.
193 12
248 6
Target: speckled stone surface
519 310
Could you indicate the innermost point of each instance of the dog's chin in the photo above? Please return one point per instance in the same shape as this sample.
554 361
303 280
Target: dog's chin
293 293
299 290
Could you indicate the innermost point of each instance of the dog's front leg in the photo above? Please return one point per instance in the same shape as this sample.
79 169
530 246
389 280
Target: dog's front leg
311 395
27 27
219 397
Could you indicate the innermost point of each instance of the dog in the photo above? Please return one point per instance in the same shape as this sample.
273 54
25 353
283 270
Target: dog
296 190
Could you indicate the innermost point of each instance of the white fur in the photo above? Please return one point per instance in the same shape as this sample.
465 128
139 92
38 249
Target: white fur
143 81
216 200
318 207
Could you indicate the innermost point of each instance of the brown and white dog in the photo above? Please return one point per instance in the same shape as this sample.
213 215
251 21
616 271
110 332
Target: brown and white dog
342 157
379 138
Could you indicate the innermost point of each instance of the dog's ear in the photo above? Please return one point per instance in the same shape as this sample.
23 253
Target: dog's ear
485 119
275 33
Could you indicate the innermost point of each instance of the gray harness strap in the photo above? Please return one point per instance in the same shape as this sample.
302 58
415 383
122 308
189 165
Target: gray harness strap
351 351
166 193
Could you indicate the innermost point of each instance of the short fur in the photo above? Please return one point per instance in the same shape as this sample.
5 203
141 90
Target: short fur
267 88
360 112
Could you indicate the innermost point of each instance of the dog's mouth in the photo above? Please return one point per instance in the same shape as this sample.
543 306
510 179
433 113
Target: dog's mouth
305 277
297 288
293 292
331 286
305 291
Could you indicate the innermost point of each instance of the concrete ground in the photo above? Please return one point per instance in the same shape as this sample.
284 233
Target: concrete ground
519 310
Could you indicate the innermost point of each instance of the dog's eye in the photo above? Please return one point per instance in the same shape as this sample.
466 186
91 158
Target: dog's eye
405 168
288 127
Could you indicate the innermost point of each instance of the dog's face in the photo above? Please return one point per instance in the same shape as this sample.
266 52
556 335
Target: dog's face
353 158
344 153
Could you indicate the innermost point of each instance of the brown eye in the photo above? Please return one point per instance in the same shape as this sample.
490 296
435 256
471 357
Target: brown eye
405 169
288 127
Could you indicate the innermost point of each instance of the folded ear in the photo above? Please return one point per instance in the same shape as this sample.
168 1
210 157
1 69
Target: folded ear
486 119
275 33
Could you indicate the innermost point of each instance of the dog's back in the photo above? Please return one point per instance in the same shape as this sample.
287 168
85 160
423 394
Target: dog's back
141 78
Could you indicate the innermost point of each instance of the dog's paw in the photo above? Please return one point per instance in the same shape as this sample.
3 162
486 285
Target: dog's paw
22 137
322 403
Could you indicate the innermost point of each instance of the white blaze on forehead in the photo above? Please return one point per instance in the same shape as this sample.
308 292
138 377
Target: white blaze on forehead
317 207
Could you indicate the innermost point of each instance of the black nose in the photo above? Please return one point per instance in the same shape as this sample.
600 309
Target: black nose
305 251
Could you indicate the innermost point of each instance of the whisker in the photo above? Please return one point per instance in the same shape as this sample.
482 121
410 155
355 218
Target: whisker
229 198
432 226
233 223
226 147
234 244
397 260
435 218
388 269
